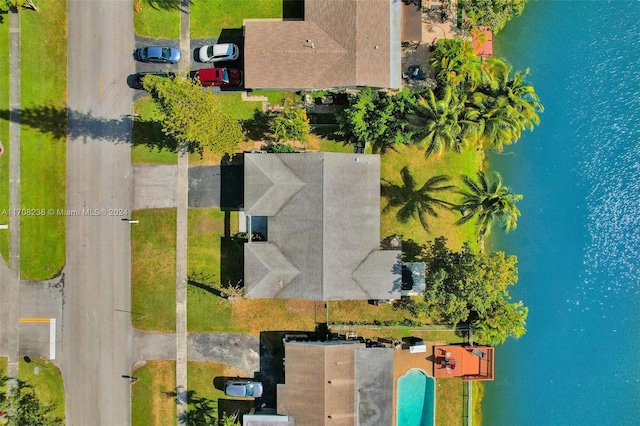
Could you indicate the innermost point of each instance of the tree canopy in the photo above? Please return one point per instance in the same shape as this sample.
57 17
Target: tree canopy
377 118
492 13
290 124
23 407
192 115
471 287
488 200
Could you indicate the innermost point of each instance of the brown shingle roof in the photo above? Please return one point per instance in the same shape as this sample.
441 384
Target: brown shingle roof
341 43
319 383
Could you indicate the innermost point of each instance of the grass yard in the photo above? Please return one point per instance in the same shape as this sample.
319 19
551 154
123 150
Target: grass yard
153 269
157 19
213 261
205 230
47 383
451 164
449 401
210 17
478 394
4 134
43 45
200 376
150 145
153 395
361 310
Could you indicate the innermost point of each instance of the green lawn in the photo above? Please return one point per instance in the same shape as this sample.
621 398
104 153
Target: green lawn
157 22
451 164
232 105
47 383
210 17
206 230
200 378
150 145
152 396
153 269
4 134
43 157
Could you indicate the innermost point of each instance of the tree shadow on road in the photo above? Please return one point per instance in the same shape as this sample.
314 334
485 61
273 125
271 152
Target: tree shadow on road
61 123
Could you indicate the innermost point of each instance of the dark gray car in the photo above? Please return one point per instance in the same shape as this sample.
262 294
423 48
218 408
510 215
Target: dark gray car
158 54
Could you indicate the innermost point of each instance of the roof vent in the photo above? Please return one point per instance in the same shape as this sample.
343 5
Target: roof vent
309 43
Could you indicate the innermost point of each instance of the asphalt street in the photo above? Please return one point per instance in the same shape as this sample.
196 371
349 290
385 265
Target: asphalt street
96 344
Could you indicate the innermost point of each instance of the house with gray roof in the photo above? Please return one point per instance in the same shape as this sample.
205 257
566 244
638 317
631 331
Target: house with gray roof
339 44
322 214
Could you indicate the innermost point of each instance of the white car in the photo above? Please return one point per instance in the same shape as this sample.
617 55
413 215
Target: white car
243 388
218 52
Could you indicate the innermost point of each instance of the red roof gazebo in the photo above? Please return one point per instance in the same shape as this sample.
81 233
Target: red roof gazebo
467 362
482 41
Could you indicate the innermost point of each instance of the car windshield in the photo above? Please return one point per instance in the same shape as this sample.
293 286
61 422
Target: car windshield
166 52
249 390
225 75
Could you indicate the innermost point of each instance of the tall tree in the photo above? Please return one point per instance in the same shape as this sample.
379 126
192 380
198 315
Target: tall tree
417 203
23 407
377 118
487 200
435 122
473 287
291 124
192 115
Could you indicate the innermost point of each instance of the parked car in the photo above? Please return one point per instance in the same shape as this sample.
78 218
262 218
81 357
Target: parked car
225 77
243 388
158 54
137 80
218 52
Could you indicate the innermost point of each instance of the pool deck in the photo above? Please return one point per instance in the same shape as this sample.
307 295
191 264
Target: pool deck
404 361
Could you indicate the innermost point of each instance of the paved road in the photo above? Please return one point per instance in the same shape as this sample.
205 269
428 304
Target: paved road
96 345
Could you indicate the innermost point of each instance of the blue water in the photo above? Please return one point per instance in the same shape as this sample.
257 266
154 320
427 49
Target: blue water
578 239
416 392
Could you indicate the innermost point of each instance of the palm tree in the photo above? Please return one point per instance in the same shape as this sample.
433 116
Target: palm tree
487 200
436 122
416 203
518 99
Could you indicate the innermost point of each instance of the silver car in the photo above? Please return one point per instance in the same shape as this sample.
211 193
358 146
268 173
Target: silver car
218 52
243 388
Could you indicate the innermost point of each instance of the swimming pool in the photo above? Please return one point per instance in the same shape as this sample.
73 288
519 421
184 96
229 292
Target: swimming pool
416 399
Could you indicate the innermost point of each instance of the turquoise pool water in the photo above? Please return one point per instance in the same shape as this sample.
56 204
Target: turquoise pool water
416 399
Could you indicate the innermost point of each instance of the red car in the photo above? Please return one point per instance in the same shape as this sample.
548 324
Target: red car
225 77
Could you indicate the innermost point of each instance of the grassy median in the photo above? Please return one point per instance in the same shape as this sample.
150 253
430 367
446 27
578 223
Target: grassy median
43 56
157 19
4 135
153 269
153 400
47 383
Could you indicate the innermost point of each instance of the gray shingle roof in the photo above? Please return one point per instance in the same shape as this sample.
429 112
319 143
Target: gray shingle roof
323 228
351 43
